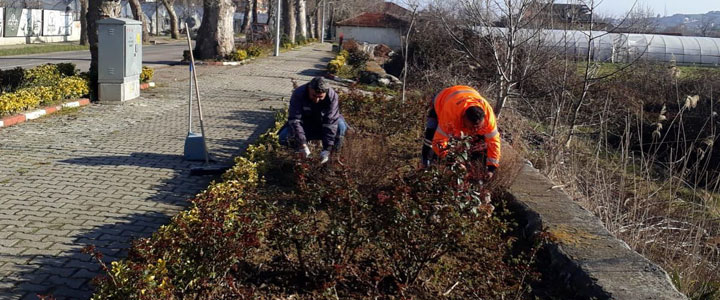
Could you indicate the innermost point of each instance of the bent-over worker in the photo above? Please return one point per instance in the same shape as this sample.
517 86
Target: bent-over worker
461 111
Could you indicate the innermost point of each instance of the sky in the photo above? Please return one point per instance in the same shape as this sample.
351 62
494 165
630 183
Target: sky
620 7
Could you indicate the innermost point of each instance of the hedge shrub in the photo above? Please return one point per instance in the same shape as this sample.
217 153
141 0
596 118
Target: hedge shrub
30 97
146 74
74 87
238 55
45 75
67 69
254 51
20 100
10 80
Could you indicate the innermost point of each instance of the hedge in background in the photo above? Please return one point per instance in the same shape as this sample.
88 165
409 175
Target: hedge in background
146 74
41 85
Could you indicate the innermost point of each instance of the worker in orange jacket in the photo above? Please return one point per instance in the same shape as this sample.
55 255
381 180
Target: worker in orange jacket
460 111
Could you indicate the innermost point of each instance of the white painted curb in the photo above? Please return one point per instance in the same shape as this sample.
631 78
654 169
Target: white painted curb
35 114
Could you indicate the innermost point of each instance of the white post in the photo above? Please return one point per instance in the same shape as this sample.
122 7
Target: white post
277 29
322 35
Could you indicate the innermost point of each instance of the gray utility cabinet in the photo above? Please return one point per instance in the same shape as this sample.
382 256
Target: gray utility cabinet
119 59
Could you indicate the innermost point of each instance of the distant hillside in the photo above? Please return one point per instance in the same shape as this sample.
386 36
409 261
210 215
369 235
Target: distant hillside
690 24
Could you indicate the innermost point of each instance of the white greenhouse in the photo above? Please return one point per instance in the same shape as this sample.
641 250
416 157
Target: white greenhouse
625 47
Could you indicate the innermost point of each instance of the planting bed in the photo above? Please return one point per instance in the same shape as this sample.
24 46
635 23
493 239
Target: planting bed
369 226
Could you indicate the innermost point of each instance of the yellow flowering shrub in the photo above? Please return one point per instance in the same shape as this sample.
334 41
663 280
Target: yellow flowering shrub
239 55
44 85
146 74
45 75
73 87
18 101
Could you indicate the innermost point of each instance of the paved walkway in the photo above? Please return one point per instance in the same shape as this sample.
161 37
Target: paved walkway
104 175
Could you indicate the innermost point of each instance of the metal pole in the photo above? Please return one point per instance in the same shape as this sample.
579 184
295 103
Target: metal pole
190 100
322 34
277 29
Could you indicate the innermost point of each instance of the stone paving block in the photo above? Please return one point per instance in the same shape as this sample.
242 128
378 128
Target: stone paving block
105 185
34 244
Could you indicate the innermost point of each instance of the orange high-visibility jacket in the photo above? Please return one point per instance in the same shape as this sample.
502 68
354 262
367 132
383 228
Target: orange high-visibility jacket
450 106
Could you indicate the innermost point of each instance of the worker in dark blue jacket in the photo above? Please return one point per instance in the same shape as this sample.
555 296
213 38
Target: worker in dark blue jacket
314 114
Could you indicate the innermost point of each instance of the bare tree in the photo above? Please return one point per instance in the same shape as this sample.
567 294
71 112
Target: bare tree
255 11
248 15
706 25
83 22
174 28
414 5
302 18
138 14
289 20
519 19
215 35
640 19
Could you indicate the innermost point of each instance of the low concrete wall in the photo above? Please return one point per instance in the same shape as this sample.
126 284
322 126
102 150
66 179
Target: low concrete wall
372 35
592 262
73 37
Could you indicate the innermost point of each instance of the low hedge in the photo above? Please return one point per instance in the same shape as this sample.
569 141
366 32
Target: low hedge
42 85
278 227
146 74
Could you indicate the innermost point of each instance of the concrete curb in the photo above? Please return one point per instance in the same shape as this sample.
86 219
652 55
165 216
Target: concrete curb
590 260
217 63
37 113
147 85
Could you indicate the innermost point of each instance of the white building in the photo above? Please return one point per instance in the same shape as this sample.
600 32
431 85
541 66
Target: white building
374 28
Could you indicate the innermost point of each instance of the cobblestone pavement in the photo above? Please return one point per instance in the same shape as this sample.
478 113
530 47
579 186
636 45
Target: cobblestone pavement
104 175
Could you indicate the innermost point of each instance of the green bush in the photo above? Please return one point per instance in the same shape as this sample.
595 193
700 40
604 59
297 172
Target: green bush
345 54
239 55
11 80
146 74
334 66
254 51
67 69
358 59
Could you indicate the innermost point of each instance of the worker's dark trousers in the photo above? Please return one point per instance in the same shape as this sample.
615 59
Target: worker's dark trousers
428 155
287 138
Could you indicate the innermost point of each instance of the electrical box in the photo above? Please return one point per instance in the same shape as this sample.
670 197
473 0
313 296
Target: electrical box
119 59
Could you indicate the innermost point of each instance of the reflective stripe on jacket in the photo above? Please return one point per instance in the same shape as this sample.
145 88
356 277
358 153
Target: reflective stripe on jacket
450 105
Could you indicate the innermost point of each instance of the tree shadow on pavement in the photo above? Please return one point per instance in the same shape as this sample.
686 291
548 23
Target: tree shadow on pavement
111 223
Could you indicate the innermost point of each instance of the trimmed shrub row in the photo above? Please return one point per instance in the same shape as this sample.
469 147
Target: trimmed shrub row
41 85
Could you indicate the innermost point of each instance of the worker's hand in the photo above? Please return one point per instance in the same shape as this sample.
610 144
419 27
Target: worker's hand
304 151
489 175
324 156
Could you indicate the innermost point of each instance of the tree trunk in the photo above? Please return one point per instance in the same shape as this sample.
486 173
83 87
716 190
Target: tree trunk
97 9
247 16
255 11
311 27
319 24
170 7
83 22
289 20
138 14
271 13
215 36
302 18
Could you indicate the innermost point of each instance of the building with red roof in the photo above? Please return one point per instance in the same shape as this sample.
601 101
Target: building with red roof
386 24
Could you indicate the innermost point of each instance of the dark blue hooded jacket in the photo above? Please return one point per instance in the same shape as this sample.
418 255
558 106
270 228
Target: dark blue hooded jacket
310 121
